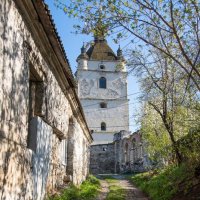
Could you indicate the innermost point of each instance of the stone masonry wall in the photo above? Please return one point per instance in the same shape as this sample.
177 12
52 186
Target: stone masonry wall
102 159
130 152
126 154
78 153
20 55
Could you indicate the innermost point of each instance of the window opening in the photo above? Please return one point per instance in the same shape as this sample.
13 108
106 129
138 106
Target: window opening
134 142
102 82
36 98
104 149
63 152
103 105
126 153
103 126
102 67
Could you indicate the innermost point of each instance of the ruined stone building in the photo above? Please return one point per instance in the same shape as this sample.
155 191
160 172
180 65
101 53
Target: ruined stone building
130 152
44 137
102 89
126 154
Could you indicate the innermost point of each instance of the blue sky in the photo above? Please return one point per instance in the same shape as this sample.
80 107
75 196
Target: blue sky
72 44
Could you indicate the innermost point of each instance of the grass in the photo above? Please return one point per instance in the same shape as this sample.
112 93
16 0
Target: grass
88 190
163 184
111 180
115 191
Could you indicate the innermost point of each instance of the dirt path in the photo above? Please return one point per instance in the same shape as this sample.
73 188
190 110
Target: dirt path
104 190
132 192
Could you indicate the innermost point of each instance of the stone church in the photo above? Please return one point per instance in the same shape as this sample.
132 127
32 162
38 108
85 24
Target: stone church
44 137
102 89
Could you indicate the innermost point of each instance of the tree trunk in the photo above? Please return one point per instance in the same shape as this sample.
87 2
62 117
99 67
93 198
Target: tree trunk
169 128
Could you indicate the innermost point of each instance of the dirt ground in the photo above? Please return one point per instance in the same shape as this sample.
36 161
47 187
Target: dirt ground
132 192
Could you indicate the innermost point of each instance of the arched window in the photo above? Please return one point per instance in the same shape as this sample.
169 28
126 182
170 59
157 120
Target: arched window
103 105
134 143
102 82
134 149
103 126
126 148
126 153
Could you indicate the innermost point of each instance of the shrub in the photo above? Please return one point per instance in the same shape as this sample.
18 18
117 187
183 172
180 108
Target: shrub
162 185
88 190
189 146
116 193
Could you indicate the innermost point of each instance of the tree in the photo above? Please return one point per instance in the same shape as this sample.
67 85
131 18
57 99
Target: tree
166 92
154 134
169 26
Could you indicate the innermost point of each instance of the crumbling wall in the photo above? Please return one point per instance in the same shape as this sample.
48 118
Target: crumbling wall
130 153
15 171
78 153
102 159
15 158
126 154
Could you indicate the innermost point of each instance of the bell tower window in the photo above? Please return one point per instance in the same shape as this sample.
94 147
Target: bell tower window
103 126
102 67
102 82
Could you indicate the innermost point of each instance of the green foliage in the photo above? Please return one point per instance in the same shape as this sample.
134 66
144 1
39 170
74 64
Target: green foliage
109 179
189 146
163 184
93 180
185 129
89 188
87 191
156 136
116 193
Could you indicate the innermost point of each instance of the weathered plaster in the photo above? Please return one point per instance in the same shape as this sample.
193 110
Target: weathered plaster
116 115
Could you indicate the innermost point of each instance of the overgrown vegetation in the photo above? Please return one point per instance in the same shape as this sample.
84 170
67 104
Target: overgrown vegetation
115 191
88 190
110 179
164 184
189 146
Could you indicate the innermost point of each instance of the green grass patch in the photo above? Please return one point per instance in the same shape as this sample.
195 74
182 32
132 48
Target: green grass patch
163 184
116 193
110 179
88 190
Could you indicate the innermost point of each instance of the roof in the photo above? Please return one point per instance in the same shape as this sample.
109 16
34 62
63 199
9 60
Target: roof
100 50
45 20
50 28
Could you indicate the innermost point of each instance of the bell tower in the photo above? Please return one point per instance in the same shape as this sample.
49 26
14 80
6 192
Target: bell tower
102 89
